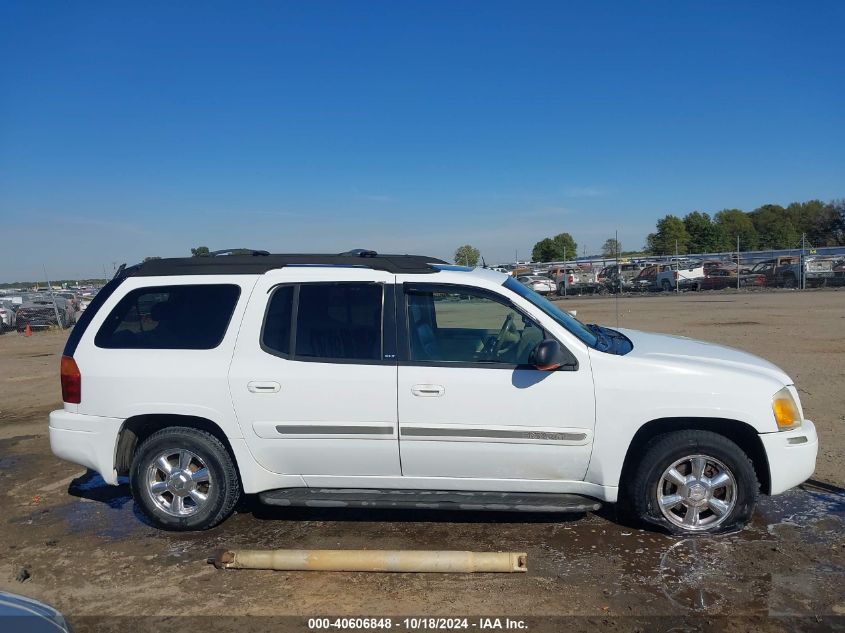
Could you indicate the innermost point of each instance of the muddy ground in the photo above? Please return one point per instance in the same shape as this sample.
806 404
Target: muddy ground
88 552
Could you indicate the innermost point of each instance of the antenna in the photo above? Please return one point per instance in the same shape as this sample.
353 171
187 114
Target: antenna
618 279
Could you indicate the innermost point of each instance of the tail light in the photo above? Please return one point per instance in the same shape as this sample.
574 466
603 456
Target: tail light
571 279
71 381
675 275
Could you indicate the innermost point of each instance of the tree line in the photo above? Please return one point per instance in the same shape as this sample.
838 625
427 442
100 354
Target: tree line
770 226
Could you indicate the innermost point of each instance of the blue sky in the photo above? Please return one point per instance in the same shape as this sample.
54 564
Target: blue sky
135 129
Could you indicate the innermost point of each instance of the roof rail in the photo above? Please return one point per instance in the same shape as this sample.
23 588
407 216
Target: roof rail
236 251
240 263
359 252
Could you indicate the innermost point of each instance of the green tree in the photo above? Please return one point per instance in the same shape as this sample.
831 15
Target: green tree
774 227
732 223
703 233
199 251
561 246
467 255
671 236
819 221
611 247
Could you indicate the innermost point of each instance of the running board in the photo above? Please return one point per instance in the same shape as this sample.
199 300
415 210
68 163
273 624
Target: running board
428 500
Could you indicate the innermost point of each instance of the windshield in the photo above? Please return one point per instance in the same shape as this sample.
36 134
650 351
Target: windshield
565 319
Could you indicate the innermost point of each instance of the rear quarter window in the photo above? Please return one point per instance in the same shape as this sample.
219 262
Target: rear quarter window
170 317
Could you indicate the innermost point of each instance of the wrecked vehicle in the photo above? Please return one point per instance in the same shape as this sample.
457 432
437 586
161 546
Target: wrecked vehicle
300 378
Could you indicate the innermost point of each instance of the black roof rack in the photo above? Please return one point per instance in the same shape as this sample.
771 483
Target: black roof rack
259 262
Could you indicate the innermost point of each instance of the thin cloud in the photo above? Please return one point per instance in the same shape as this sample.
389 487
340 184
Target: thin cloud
585 192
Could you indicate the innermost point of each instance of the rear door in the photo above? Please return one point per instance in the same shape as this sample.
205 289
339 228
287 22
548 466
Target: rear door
313 378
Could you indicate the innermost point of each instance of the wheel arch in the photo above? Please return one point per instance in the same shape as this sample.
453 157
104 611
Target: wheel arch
740 433
139 427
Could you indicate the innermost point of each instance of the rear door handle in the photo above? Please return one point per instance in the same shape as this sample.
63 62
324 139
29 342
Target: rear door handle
428 391
257 386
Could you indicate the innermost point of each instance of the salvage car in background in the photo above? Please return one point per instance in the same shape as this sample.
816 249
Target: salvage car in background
680 276
7 317
537 283
43 312
721 278
573 280
619 278
19 614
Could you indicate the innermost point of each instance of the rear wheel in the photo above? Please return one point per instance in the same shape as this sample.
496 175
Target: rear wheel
184 479
666 285
694 482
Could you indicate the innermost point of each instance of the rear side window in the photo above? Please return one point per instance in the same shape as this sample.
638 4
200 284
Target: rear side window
337 321
277 324
170 317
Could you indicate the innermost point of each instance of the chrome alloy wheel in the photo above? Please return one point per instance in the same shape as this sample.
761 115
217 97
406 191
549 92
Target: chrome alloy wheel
178 482
697 492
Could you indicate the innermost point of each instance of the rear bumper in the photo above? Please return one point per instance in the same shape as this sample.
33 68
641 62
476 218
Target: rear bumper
791 456
86 440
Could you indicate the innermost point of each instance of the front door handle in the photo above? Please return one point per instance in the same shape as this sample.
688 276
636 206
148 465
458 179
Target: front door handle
257 386
428 391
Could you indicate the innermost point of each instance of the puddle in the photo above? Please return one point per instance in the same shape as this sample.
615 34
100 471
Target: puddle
809 514
10 462
102 510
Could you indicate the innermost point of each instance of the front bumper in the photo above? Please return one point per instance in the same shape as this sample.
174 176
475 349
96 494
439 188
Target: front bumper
791 456
87 440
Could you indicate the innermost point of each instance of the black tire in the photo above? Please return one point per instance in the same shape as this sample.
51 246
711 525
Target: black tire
641 494
789 281
222 490
666 285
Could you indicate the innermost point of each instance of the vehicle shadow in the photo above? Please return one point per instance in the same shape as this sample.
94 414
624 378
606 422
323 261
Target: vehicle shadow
92 487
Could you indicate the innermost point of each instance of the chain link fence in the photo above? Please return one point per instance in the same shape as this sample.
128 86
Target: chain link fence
799 268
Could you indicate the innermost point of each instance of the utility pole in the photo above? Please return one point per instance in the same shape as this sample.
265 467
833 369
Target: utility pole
803 277
737 261
52 296
564 270
677 269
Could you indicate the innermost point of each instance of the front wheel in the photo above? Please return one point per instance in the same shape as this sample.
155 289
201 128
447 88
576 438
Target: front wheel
694 482
184 479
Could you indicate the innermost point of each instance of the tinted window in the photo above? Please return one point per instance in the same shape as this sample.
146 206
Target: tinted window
277 323
339 321
462 326
170 317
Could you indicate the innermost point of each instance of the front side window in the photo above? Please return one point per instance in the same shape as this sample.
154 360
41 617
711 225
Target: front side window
564 319
464 326
170 317
336 321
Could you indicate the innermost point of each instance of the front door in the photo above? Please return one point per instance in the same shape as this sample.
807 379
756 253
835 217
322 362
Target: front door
470 403
313 383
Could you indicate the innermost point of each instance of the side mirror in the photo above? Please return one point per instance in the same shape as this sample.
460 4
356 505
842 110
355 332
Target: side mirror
549 355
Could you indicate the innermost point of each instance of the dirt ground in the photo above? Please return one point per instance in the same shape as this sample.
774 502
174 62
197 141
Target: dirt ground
90 554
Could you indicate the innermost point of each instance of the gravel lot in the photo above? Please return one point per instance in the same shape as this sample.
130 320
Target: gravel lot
89 554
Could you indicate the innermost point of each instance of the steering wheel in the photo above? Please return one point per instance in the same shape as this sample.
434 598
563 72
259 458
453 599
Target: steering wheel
494 344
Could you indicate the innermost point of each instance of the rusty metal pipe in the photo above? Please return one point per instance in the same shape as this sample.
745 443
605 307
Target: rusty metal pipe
372 560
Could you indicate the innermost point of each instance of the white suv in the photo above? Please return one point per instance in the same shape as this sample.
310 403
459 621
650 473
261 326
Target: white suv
400 381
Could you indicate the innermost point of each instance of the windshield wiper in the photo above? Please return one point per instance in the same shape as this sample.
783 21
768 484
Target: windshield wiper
600 335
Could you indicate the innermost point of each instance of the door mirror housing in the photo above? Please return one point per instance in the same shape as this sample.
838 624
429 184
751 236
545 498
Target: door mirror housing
550 355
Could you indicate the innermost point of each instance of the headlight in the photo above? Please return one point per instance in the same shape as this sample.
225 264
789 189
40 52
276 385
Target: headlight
786 410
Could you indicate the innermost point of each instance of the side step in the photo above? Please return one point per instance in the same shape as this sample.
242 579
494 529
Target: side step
428 500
